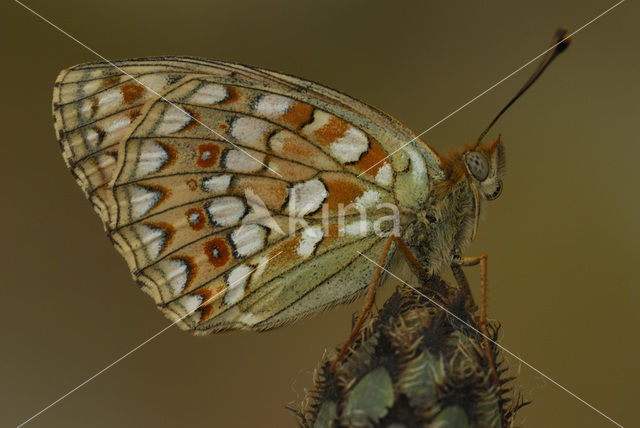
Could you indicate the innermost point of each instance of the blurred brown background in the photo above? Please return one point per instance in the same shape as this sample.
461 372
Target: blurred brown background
562 240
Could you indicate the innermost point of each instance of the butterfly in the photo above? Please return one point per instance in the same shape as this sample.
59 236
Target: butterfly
243 198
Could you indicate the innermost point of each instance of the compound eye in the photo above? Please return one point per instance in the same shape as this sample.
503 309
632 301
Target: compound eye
477 165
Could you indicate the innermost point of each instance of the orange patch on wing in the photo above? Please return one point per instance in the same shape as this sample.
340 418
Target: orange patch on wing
94 106
217 251
291 171
192 271
192 184
193 122
372 160
208 155
286 252
298 115
205 312
206 307
155 188
331 233
234 95
342 190
272 192
172 154
110 81
133 113
331 131
101 133
298 147
131 91
195 218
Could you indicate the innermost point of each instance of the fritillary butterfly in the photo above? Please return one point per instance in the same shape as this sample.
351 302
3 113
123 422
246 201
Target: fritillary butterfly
243 198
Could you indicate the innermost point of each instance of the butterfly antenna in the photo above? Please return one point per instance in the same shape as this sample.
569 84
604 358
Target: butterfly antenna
560 43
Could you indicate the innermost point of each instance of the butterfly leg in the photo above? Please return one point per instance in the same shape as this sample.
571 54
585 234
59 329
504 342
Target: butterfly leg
369 300
462 281
371 293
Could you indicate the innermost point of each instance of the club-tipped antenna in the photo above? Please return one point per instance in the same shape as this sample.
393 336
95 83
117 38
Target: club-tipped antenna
560 43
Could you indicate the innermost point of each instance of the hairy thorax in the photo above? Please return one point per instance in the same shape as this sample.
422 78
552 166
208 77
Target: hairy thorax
444 227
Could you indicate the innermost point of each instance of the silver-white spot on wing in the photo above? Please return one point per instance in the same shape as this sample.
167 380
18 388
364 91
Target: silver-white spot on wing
273 106
350 146
384 175
207 94
311 236
248 239
250 131
368 199
240 161
418 168
173 120
357 228
142 199
216 183
176 272
151 238
190 303
151 158
236 283
226 210
306 197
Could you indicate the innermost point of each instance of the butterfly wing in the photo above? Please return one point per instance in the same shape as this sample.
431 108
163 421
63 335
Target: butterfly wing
222 185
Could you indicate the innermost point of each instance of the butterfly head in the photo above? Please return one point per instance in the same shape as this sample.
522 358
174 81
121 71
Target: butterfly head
485 166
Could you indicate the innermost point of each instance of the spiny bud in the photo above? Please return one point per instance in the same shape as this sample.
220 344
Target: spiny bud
414 365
